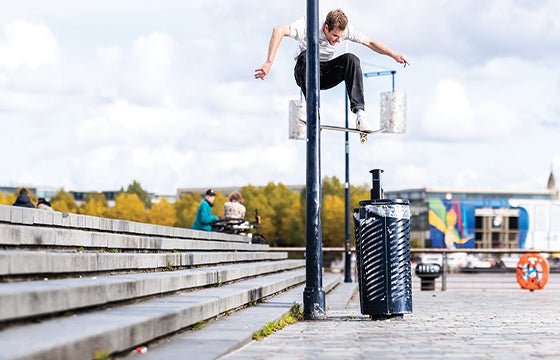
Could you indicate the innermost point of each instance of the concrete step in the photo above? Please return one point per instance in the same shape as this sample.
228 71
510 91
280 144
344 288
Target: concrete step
55 219
27 299
32 262
229 333
125 327
42 236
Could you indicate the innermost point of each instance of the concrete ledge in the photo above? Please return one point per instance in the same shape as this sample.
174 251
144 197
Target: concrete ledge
18 235
21 262
20 300
123 328
24 216
232 332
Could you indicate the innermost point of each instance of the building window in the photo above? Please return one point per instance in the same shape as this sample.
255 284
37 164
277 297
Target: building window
513 223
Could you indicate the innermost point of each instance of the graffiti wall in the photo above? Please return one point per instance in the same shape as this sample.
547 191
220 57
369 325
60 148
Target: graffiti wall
452 222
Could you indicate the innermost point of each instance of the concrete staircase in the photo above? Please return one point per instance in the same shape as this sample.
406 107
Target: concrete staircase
73 285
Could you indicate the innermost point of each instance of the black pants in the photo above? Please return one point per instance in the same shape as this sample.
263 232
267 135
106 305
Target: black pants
344 67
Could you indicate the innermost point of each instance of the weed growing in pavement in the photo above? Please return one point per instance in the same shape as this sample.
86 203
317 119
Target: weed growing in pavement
292 317
198 325
102 355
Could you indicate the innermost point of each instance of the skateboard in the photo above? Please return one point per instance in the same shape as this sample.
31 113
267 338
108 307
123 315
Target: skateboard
363 134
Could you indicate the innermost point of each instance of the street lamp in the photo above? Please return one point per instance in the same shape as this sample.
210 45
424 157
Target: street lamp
392 120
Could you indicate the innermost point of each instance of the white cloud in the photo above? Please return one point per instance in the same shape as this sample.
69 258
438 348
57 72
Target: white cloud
143 74
141 96
450 115
129 123
110 56
26 44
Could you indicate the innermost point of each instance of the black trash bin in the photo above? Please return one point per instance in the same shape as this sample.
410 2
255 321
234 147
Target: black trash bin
382 232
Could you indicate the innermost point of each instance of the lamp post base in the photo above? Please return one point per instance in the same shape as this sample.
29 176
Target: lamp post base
314 304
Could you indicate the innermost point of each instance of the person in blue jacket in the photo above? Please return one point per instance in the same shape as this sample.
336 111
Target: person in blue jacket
204 217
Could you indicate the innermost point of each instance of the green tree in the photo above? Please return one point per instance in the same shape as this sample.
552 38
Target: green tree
162 213
95 205
143 195
64 201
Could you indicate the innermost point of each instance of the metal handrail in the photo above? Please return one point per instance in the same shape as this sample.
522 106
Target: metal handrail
431 251
443 252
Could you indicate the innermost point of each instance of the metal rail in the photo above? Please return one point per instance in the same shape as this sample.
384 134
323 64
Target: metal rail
443 252
431 251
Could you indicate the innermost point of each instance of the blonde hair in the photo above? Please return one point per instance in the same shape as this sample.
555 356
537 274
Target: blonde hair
336 19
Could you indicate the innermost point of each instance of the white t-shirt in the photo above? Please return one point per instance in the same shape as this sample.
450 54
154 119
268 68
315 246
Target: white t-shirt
298 31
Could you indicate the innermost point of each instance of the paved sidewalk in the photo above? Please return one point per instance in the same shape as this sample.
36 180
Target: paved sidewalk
500 323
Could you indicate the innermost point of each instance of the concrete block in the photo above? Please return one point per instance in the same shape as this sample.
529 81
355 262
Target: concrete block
39 217
17 215
27 216
5 213
89 222
81 221
102 224
122 226
73 220
48 218
57 218
4 263
66 220
145 229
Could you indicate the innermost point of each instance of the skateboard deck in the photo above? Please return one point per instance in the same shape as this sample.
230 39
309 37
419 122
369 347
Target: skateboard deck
363 134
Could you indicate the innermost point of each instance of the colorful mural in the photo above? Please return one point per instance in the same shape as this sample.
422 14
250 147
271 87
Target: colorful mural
452 222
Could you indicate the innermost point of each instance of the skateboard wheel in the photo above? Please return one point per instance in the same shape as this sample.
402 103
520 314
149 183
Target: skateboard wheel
363 139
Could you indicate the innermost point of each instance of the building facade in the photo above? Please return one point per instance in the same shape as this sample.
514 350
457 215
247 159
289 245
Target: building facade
452 218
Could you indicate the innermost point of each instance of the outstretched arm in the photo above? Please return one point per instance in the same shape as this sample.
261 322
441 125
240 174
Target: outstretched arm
277 34
383 49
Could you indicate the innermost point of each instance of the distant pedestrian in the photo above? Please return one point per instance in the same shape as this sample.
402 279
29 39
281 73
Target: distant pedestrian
234 209
44 204
23 199
204 217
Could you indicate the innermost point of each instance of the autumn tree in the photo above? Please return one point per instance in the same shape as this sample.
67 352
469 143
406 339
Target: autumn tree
7 198
162 213
64 201
218 207
332 186
332 221
95 205
129 207
279 208
185 208
143 195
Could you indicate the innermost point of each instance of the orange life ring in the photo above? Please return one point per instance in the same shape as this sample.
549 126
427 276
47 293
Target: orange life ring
532 271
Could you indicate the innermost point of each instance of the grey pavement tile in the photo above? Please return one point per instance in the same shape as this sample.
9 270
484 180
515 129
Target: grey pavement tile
463 324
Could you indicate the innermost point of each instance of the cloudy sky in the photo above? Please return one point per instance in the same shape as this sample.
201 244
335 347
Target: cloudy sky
95 95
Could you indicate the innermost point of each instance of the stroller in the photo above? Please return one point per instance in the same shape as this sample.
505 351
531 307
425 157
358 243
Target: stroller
241 227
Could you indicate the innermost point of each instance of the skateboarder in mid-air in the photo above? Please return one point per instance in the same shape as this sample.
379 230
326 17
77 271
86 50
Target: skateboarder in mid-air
334 28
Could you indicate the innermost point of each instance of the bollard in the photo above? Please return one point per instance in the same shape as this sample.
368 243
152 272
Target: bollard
382 232
428 273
